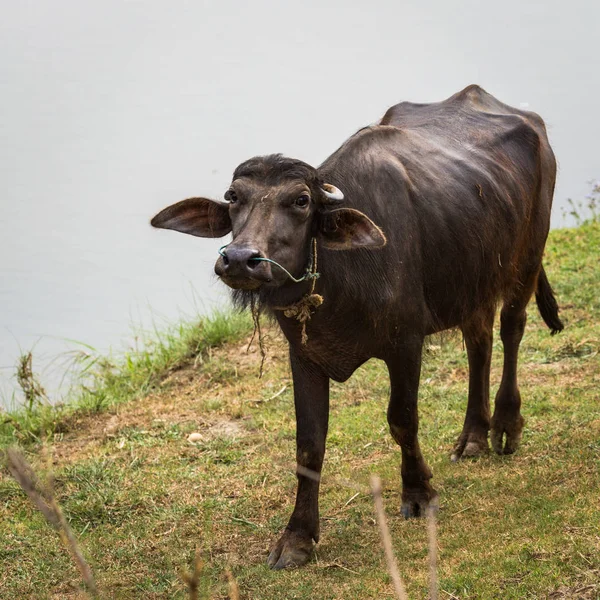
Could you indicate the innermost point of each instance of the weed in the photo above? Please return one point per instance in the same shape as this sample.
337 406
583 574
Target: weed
584 211
32 389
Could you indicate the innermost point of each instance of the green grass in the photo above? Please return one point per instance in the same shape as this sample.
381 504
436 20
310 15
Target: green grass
142 499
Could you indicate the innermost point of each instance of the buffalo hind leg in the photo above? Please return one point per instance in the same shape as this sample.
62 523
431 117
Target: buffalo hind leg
478 335
403 418
507 422
311 400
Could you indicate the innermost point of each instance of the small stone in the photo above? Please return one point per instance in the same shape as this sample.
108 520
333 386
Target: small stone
195 437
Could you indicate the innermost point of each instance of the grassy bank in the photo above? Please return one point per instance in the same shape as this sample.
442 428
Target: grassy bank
108 381
142 498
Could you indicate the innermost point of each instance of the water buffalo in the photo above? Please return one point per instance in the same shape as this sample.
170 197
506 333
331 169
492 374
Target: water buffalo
418 224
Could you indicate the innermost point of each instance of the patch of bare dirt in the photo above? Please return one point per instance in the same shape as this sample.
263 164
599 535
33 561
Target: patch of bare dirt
178 399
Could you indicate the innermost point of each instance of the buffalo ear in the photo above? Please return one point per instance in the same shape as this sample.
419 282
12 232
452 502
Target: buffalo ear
197 216
346 229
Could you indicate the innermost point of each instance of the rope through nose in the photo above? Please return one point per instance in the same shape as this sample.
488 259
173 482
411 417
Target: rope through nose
309 274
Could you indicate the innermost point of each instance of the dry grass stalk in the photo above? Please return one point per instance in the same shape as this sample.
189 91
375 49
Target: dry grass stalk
193 580
433 553
386 539
273 396
234 590
300 470
42 496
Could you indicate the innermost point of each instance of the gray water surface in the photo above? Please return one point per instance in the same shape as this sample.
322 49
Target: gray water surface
111 110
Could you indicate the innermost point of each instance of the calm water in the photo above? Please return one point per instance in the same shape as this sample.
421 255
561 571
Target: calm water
111 110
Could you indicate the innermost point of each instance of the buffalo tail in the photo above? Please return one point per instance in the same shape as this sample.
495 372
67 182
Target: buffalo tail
547 305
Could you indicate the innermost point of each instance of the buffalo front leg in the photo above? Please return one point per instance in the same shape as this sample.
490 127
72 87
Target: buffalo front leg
403 418
311 399
478 334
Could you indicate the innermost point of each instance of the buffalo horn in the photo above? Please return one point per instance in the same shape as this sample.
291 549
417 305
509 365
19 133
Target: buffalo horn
332 193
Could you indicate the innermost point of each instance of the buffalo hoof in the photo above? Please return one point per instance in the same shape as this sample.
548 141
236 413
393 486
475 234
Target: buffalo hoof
505 434
293 549
470 445
416 505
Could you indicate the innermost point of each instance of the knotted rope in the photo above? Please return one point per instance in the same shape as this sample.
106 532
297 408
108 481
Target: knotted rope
303 309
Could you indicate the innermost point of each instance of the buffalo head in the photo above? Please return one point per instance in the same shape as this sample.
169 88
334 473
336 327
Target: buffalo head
274 207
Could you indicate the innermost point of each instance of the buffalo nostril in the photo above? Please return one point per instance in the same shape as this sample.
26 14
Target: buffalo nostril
253 261
225 259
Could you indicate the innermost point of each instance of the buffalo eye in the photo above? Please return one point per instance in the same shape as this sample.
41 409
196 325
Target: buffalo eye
302 201
231 196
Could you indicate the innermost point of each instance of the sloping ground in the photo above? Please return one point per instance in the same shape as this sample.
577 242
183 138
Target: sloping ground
143 499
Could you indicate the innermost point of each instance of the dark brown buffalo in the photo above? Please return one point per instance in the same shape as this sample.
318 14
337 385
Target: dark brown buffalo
443 213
